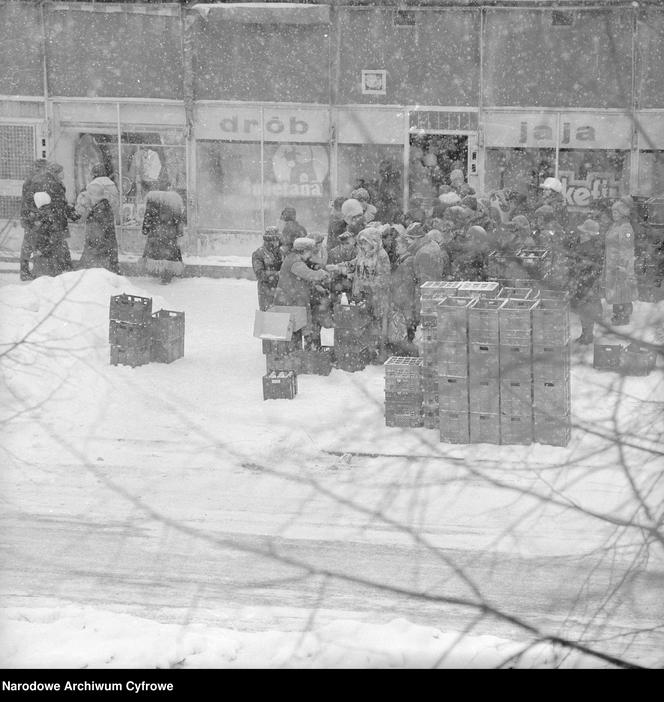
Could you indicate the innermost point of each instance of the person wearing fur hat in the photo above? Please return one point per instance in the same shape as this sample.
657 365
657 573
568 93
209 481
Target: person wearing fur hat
336 223
163 224
99 205
353 214
586 262
297 281
290 229
619 277
266 262
403 313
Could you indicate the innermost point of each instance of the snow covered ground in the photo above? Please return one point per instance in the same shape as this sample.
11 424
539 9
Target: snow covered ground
193 446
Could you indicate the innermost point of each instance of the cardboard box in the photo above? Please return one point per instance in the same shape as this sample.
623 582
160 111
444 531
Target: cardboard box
299 315
275 326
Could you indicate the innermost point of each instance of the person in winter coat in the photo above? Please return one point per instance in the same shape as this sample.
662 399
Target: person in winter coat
297 282
619 277
336 224
46 177
471 262
403 312
584 278
552 236
290 229
428 258
163 224
353 214
553 195
266 262
48 240
98 205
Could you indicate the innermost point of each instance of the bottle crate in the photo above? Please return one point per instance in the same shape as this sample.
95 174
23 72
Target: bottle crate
483 323
552 396
131 308
353 360
430 333
484 394
429 303
453 394
516 397
403 415
428 320
284 362
515 321
550 361
431 415
549 294
283 348
484 428
352 316
431 287
403 373
515 361
551 322
316 362
478 289
166 351
404 398
607 356
452 359
130 356
128 334
279 385
483 360
431 396
453 319
351 337
166 325
551 430
454 427
637 360
520 293
534 262
516 429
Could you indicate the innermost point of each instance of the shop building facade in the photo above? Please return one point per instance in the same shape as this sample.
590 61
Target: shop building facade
245 109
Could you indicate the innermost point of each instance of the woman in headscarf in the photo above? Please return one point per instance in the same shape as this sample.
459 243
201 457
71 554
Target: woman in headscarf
619 277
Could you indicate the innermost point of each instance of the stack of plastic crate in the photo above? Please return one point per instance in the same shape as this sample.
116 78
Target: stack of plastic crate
167 336
452 363
479 289
551 371
352 336
403 392
283 355
483 370
130 330
534 263
515 367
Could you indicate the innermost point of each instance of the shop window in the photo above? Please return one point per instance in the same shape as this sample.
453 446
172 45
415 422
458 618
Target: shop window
593 174
376 167
229 185
651 173
17 154
518 169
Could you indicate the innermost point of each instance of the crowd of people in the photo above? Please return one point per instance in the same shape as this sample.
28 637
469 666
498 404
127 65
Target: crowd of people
383 264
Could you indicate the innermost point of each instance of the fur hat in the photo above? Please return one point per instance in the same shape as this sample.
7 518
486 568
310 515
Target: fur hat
552 184
345 235
449 198
351 208
41 199
288 214
304 243
360 194
590 226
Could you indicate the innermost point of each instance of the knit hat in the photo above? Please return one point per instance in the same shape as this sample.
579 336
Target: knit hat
351 208
449 198
288 214
590 226
41 199
303 243
415 231
552 184
360 194
271 233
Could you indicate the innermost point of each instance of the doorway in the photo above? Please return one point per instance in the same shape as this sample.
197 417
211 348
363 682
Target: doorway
432 158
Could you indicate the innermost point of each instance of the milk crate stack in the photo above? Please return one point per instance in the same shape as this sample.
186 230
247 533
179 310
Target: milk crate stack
352 336
403 392
137 336
528 267
633 359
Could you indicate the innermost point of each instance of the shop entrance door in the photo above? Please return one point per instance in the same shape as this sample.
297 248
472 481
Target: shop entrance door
432 157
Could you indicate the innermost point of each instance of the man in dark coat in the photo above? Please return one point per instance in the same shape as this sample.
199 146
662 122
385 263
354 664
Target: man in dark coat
291 229
336 224
346 251
585 270
266 262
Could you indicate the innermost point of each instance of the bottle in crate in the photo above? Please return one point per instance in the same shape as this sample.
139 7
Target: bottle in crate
351 359
351 316
279 385
403 373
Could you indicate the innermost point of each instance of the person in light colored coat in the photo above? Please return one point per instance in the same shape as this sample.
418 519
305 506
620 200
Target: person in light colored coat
619 277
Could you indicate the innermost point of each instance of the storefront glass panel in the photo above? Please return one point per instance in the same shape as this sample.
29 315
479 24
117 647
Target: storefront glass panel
589 175
651 173
376 167
518 169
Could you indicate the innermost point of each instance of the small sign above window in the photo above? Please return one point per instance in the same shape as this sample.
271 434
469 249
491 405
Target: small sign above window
374 82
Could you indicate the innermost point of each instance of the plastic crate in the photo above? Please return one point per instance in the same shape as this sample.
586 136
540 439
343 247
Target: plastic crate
131 308
282 348
516 429
607 356
130 356
552 396
454 427
279 385
515 319
524 293
548 294
516 361
430 415
452 315
516 397
353 316
351 337
167 325
404 398
535 262
429 303
283 362
452 359
429 354
318 362
551 322
403 373
166 351
637 360
484 395
453 394
352 361
551 430
551 361
483 323
484 428
483 360
403 415
128 334
477 289
431 287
